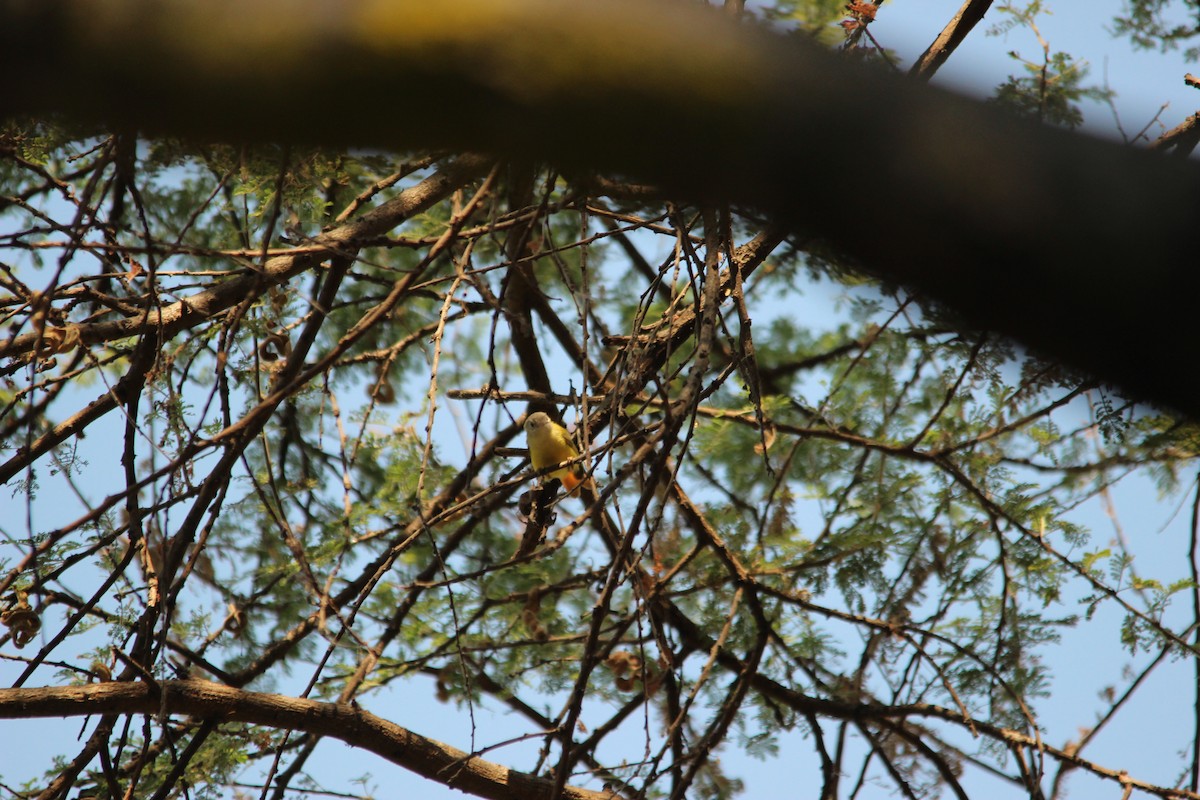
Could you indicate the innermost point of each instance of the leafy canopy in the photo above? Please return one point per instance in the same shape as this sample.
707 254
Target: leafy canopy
261 427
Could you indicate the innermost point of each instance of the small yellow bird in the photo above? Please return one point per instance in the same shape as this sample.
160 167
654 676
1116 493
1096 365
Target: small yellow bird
550 444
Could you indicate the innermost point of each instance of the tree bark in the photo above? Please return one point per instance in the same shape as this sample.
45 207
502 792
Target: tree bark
345 721
1083 249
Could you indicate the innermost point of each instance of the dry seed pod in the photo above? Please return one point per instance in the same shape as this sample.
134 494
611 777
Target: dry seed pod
22 620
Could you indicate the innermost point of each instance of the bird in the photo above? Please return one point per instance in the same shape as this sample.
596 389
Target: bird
550 444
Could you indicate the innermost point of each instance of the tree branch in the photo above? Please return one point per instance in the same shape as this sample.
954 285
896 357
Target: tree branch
203 305
346 722
1080 248
950 38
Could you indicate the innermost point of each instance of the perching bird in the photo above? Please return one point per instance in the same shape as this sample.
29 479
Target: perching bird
550 444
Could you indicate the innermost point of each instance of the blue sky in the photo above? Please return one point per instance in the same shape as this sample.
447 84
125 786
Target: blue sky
1143 80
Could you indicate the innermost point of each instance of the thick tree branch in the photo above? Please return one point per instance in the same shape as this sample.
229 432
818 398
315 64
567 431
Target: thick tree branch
346 722
1082 249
